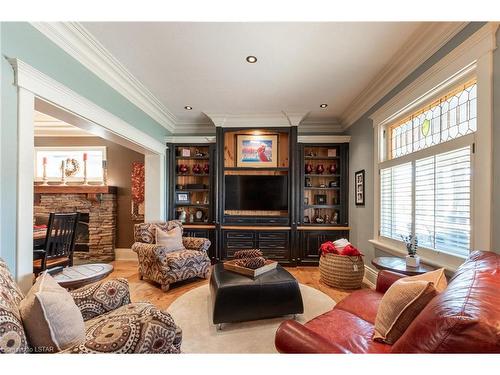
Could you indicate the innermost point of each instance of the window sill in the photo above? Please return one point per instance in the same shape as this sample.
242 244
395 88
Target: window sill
441 260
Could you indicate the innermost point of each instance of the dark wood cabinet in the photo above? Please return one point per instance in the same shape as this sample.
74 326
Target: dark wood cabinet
274 244
309 242
317 186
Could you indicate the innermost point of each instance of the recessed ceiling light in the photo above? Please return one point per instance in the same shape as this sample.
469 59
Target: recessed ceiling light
188 108
251 59
323 105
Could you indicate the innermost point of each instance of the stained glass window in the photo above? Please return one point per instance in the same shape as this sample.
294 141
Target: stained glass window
451 116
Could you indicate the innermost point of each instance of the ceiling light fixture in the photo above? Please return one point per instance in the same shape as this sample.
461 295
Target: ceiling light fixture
188 108
251 59
323 105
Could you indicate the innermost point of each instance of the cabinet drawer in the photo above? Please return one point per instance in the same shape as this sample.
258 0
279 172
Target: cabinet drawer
273 245
235 220
273 236
273 220
275 254
240 235
240 244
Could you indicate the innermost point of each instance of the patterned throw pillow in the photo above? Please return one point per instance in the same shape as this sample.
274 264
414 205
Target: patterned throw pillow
12 335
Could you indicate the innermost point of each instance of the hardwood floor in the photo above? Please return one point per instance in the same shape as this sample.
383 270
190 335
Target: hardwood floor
143 290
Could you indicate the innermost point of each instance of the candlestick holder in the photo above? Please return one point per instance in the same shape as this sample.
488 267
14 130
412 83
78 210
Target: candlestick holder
85 179
104 172
44 178
63 173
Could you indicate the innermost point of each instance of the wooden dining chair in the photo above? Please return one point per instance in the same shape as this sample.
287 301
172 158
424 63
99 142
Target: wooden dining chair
59 243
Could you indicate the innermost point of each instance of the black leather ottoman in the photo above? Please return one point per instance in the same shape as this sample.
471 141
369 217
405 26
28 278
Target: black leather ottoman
238 298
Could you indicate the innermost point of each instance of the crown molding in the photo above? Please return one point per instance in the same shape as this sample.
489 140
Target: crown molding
458 63
74 39
320 127
48 89
250 120
423 43
324 138
194 128
190 139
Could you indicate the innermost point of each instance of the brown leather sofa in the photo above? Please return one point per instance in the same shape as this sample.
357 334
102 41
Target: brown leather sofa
465 318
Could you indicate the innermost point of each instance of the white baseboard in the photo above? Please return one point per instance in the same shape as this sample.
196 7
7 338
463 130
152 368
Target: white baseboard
370 277
125 254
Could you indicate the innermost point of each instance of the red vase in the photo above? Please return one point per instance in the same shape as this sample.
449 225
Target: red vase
309 168
196 169
333 168
183 168
206 169
320 169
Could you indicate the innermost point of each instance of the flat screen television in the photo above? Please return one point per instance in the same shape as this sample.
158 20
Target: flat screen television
265 193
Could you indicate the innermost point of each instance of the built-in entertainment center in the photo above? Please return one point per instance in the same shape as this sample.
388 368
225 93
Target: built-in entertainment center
263 188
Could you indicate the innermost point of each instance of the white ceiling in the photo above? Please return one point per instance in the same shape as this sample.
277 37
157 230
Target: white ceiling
300 65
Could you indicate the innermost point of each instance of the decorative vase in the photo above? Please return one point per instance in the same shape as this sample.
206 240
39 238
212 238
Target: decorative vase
183 168
333 168
308 168
206 169
412 261
196 169
320 169
182 216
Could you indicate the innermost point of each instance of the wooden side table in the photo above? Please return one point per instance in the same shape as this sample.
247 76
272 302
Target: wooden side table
83 274
396 264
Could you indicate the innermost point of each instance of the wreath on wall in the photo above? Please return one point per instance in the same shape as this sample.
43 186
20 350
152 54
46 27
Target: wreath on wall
72 167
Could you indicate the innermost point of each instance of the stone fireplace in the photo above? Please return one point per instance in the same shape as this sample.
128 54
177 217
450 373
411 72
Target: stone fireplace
96 230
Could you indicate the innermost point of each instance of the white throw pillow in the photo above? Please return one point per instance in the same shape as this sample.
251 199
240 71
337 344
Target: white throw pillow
51 319
171 240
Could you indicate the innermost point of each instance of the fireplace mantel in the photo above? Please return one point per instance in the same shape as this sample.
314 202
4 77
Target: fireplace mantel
90 190
98 202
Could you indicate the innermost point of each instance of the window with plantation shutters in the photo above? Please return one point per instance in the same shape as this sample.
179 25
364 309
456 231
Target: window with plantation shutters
442 201
396 201
425 183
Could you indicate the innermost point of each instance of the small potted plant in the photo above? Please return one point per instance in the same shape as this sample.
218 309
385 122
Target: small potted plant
411 242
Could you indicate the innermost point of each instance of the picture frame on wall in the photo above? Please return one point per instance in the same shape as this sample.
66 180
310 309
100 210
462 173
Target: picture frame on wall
359 188
257 151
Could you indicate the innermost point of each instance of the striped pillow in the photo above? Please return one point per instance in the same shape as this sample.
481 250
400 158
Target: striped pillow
403 301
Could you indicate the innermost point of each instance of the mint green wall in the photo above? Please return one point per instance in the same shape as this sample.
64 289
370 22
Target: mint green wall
23 41
8 163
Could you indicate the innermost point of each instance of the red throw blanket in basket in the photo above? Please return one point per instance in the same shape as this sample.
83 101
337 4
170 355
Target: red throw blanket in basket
330 248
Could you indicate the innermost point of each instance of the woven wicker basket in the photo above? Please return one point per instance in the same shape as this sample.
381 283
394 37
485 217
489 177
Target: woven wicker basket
340 271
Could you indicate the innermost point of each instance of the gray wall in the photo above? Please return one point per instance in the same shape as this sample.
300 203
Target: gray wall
361 150
119 168
496 149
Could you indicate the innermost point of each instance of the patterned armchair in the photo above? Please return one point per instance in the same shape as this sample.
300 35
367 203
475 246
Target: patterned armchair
112 323
165 268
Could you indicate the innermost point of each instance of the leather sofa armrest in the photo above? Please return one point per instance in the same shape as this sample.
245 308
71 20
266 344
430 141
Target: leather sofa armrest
385 279
196 243
295 338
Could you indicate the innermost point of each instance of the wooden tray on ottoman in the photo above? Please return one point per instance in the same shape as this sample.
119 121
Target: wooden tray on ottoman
231 265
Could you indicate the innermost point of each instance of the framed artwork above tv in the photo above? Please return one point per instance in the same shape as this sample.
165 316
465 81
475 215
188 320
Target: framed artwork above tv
257 151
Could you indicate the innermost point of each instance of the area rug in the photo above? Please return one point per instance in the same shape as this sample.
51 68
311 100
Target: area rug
192 312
